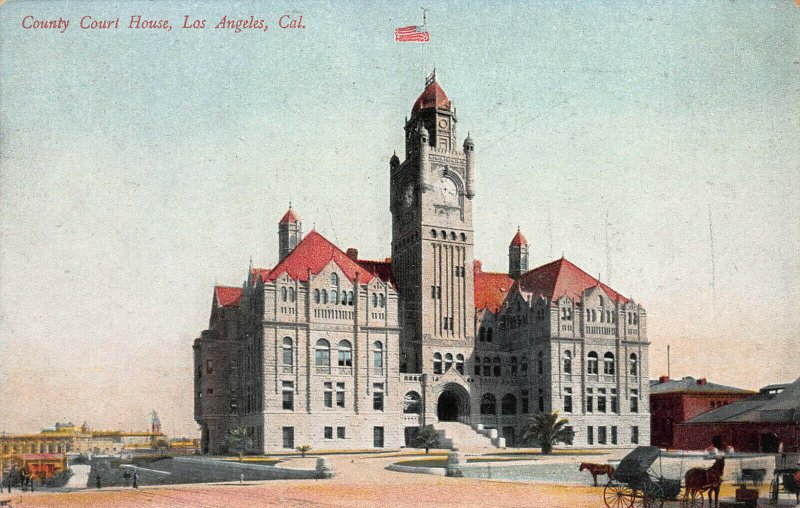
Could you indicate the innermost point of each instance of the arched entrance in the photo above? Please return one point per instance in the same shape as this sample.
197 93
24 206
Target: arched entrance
452 404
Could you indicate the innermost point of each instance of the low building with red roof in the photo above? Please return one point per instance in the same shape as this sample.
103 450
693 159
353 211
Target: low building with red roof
327 349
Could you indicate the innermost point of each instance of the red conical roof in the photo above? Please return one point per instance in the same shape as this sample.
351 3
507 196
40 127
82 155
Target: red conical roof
290 217
432 97
519 239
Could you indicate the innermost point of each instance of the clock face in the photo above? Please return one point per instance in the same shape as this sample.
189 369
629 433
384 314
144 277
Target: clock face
443 123
447 191
408 196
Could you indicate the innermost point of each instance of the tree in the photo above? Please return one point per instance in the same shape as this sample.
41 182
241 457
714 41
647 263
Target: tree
303 449
547 430
427 437
161 445
238 441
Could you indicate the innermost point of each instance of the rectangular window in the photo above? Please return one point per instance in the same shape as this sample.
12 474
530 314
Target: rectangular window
601 435
377 437
328 394
445 323
567 400
590 434
614 401
288 437
377 396
635 435
340 433
339 394
433 292
634 401
601 400
210 391
288 395
613 434
345 358
439 292
328 432
524 401
209 367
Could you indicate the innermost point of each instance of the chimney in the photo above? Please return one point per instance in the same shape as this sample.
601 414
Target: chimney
478 266
702 381
663 379
352 254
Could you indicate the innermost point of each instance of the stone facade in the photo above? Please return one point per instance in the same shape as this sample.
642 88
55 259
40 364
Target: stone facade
336 352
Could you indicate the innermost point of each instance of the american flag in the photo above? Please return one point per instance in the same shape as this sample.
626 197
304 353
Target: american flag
410 34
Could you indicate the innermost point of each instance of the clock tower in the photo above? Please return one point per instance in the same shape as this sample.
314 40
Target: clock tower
432 237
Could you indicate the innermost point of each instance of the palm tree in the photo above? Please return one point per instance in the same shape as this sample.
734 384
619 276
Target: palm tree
427 437
547 430
303 449
238 441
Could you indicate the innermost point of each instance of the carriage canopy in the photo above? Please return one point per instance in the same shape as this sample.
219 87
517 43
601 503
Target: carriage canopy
636 463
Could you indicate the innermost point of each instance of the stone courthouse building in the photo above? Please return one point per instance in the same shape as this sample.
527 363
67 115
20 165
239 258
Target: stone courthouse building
337 352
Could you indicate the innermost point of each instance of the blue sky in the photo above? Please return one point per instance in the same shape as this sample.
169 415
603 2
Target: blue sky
655 144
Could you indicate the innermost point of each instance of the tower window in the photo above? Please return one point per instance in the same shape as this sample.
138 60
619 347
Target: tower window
345 354
437 363
463 237
433 233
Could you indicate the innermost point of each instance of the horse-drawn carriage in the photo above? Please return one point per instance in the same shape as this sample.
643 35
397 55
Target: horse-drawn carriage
786 480
636 484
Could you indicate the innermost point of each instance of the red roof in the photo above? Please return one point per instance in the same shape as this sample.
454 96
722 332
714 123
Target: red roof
380 269
228 296
314 253
289 217
560 278
260 272
519 239
491 289
432 97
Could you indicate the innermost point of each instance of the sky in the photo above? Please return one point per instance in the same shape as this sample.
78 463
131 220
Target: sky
654 144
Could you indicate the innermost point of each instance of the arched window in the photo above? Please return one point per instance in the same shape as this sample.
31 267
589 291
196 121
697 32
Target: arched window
412 403
334 280
437 363
592 367
487 366
374 299
324 296
448 361
635 318
463 237
489 334
608 316
460 364
588 315
377 355
350 298
433 233
291 294
594 316
322 354
602 316
444 234
345 354
477 365
488 404
481 334
567 362
316 296
382 301
287 351
513 365
497 367
283 294
509 404
634 365
602 301
334 296
453 235
608 364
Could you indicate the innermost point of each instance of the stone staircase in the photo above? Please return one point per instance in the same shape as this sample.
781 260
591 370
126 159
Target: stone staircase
464 437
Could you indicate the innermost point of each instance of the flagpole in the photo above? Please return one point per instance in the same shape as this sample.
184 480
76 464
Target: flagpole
425 45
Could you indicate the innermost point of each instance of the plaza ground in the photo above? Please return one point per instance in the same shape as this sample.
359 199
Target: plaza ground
361 480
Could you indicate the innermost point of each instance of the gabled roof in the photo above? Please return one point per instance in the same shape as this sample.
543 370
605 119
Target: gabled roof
380 269
227 296
691 385
260 272
314 253
519 239
560 278
289 217
761 407
491 289
432 97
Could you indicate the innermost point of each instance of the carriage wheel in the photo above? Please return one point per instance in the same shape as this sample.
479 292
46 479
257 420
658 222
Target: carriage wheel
654 497
639 499
773 491
618 496
693 499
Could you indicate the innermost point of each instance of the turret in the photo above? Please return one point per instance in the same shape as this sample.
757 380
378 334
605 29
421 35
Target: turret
518 255
469 152
424 160
394 162
290 232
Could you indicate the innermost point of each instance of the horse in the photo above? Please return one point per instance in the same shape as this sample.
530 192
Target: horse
598 469
700 479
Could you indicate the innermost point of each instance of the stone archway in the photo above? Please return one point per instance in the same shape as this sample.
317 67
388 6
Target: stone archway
452 404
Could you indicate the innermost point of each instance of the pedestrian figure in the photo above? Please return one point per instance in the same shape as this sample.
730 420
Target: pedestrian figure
97 478
135 480
127 477
241 477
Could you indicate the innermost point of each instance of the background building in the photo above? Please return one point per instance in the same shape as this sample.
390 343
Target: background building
332 351
674 401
